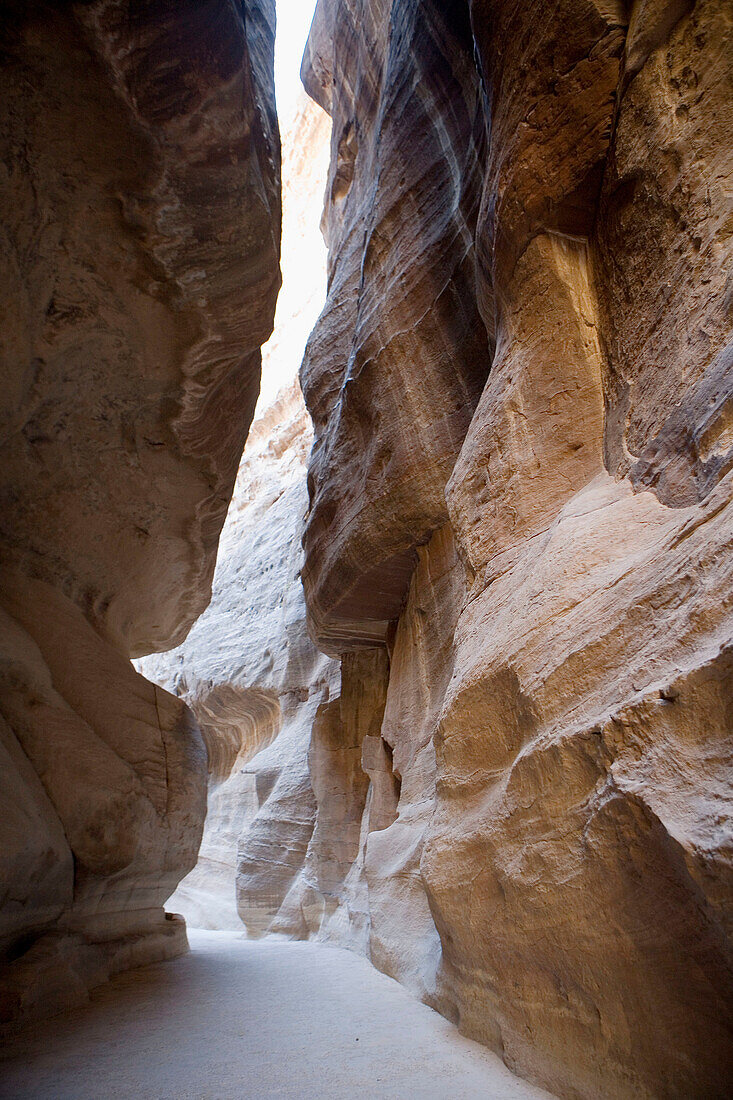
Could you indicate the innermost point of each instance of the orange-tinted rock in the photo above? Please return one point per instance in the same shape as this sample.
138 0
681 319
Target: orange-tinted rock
398 358
558 879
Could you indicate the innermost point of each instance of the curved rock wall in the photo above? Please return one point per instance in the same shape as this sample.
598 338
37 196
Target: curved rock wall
514 793
396 364
139 255
520 486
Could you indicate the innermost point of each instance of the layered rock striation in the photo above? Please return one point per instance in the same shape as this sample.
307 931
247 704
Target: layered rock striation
398 359
501 764
520 524
139 253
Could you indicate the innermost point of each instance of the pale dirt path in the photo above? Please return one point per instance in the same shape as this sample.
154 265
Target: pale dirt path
242 1020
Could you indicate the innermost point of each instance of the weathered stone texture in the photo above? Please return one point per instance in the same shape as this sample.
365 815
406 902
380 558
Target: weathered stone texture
138 272
663 249
515 793
549 563
403 939
398 358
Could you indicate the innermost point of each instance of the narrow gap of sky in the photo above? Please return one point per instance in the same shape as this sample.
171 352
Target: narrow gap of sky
294 18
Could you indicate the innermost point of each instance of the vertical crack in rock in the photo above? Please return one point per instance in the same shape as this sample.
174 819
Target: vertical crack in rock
163 744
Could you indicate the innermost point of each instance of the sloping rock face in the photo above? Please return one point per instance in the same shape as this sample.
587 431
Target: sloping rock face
140 240
398 360
520 525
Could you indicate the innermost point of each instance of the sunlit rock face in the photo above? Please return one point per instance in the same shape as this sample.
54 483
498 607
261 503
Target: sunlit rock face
140 239
546 846
254 680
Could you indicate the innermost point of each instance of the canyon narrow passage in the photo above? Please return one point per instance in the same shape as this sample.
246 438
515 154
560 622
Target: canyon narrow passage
242 1019
366 549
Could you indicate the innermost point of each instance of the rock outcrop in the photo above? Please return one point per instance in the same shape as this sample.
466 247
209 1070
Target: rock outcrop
520 524
139 254
397 362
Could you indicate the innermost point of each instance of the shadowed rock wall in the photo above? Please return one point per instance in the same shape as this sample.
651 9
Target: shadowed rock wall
139 254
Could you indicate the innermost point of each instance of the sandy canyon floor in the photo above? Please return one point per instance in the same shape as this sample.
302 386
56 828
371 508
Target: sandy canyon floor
244 1019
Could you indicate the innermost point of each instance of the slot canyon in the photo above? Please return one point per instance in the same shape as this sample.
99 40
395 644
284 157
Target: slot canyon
373 634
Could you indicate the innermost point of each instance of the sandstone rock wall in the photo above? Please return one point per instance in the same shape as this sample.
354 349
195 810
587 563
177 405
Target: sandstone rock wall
513 794
397 362
138 273
520 487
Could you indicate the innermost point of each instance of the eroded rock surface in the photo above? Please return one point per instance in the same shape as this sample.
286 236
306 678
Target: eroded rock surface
515 797
520 486
513 793
139 269
398 359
